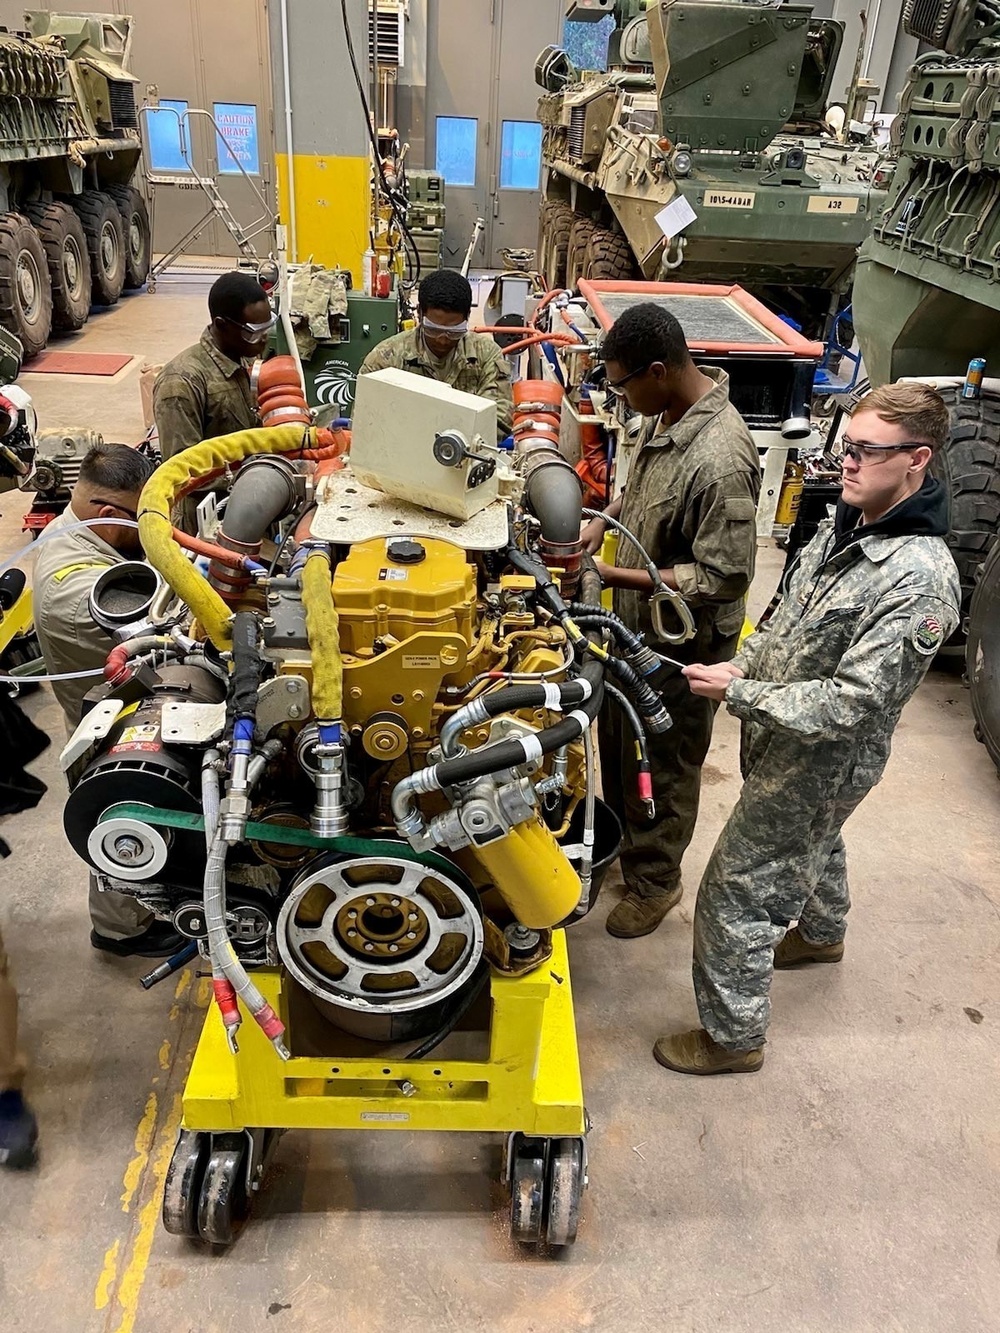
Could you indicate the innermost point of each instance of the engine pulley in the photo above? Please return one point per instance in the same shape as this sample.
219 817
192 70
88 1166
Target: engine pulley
384 946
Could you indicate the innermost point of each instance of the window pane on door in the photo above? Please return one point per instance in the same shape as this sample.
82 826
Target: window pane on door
456 149
163 131
236 140
520 155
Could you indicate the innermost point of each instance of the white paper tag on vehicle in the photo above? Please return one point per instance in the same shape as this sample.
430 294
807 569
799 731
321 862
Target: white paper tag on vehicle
673 218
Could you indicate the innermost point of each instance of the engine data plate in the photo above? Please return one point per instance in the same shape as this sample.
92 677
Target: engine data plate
348 512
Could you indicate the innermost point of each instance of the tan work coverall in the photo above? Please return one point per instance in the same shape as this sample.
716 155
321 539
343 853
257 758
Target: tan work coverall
67 566
198 395
475 366
691 499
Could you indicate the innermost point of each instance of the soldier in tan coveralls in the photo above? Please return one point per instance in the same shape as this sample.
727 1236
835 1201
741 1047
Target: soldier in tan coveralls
691 500
205 390
442 348
819 691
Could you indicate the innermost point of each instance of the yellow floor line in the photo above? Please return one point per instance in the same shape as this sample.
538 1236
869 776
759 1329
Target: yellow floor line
134 1274
143 1142
147 1172
102 1292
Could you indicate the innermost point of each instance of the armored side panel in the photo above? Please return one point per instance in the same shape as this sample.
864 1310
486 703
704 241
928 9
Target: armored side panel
927 294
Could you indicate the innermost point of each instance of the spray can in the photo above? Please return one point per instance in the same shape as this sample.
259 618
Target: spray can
368 272
973 385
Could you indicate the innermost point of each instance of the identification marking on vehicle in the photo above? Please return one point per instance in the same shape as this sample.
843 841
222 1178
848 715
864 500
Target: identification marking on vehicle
421 661
729 198
829 203
387 1117
393 575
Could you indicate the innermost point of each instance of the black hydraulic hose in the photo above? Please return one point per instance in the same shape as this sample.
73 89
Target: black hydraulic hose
546 584
646 700
248 668
644 783
475 989
604 619
510 754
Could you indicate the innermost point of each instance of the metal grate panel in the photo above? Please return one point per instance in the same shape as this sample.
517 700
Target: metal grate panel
122 98
715 319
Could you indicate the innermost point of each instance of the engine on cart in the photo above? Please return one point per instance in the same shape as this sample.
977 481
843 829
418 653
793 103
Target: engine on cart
363 755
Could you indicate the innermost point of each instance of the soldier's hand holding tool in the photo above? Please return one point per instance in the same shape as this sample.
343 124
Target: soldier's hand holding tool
711 682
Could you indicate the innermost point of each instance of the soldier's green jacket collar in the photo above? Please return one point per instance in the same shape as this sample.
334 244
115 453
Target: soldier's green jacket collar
225 365
697 417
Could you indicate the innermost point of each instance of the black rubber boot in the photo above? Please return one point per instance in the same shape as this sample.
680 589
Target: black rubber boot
18 1132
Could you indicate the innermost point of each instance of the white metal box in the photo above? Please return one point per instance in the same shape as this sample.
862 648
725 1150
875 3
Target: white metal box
396 419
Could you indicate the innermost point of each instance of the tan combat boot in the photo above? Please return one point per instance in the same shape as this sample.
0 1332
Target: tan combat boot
696 1053
796 951
639 914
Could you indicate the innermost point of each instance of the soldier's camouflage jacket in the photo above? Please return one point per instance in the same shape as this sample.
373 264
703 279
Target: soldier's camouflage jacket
853 636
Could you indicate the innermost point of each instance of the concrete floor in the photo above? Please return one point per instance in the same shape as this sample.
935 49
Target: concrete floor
851 1185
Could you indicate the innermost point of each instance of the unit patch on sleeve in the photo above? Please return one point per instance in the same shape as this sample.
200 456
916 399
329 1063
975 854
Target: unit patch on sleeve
926 634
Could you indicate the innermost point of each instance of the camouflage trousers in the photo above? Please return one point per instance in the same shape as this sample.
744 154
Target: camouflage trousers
780 859
652 849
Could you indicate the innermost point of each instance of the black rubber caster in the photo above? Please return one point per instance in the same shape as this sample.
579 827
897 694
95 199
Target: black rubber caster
183 1183
211 1181
566 1180
527 1189
224 1197
547 1178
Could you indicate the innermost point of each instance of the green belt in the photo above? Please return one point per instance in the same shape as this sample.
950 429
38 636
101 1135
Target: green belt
293 837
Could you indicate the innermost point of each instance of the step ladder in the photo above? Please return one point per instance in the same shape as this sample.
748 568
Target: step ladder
218 206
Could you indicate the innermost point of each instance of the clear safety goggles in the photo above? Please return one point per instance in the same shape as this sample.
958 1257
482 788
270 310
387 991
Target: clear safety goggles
252 330
454 331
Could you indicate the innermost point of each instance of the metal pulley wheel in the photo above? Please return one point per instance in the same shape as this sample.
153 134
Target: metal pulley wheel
128 849
384 946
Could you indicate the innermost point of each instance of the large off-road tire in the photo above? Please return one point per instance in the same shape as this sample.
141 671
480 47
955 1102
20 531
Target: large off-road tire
969 469
555 225
25 289
576 253
102 223
609 256
982 656
138 240
65 243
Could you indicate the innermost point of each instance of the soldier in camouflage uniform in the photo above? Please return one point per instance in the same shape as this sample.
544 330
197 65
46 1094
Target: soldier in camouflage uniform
819 691
442 348
691 500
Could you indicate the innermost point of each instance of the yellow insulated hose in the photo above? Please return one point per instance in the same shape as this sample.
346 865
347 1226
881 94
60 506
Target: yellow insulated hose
323 631
161 492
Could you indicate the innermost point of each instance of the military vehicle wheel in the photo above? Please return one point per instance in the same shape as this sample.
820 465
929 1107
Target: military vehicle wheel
138 241
553 241
969 469
25 289
608 256
576 254
65 245
982 655
102 223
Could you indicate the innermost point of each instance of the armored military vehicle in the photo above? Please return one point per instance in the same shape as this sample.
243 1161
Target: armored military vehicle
73 227
927 287
714 109
927 296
